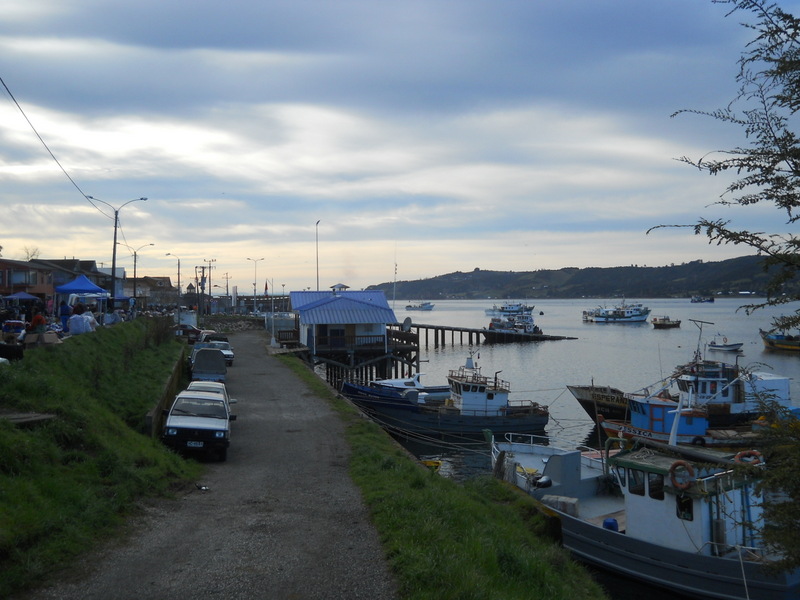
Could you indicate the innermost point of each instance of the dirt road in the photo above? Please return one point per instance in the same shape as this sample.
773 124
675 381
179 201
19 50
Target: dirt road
281 519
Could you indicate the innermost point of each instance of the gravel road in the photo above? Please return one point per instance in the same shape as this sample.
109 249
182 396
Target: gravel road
281 519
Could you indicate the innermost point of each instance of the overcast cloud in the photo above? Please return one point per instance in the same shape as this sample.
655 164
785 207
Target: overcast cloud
435 135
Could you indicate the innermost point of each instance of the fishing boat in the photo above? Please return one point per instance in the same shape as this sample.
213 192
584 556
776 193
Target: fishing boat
682 519
503 330
664 322
621 313
420 306
717 405
509 309
774 340
702 299
475 403
610 402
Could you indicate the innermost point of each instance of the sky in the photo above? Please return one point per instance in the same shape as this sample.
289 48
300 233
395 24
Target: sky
363 141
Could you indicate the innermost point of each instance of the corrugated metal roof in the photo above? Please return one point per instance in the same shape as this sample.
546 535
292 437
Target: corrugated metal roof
301 299
343 309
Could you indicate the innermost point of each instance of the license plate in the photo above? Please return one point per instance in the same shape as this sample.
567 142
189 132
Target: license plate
194 444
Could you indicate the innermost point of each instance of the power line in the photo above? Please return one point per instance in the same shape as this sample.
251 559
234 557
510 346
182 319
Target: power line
46 147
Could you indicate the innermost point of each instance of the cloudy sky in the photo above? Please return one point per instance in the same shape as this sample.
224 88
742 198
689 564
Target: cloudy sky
434 135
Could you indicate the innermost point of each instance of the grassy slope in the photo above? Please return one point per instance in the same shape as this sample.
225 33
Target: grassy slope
483 540
69 480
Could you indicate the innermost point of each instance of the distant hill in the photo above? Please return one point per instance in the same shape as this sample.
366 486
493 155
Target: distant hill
729 277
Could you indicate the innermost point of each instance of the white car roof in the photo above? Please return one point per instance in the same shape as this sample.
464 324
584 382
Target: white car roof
200 395
206 385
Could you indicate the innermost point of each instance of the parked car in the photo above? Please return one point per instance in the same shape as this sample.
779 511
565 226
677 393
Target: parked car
199 422
226 350
188 332
211 386
208 364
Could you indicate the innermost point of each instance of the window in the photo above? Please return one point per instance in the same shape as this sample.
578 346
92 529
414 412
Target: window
636 479
684 507
620 472
655 485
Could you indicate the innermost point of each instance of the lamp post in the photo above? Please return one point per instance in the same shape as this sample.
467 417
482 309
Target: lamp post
255 279
135 255
179 284
316 236
210 263
114 251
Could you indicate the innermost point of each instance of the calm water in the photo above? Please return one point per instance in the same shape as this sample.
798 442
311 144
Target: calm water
629 357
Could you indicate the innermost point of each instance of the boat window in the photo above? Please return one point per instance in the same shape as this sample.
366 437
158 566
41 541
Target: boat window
620 473
655 485
636 478
490 396
713 387
684 507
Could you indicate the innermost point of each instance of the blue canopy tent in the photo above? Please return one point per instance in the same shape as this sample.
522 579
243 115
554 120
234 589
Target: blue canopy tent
21 296
82 290
80 285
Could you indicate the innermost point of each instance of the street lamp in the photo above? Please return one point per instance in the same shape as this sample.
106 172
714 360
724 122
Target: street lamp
179 284
114 252
316 235
255 279
135 254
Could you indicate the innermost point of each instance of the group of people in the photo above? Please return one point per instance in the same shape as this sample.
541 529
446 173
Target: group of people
80 321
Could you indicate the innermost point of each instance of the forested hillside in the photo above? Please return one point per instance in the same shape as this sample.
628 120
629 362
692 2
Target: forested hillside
729 277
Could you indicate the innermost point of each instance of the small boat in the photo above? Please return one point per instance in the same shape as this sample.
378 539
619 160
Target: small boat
724 346
702 299
774 340
670 517
475 403
420 306
509 309
621 313
664 322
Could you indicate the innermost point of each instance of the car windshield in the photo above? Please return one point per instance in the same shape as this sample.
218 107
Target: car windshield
220 345
200 408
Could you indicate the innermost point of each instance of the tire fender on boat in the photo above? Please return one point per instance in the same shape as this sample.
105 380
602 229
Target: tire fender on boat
678 484
698 441
742 457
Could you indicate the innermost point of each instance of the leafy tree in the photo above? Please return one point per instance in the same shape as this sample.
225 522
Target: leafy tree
768 166
767 170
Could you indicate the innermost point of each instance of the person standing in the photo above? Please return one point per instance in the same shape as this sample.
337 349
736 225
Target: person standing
64 311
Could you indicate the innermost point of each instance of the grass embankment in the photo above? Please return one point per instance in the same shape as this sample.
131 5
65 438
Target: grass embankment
481 540
70 480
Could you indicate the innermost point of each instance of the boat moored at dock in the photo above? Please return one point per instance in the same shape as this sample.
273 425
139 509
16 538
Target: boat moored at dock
475 403
670 517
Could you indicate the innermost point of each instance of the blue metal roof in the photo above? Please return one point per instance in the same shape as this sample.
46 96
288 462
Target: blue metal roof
343 308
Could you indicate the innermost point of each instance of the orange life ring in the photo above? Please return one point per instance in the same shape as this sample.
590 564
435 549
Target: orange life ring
681 485
754 454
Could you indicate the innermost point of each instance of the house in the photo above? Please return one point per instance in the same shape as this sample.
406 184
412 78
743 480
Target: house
25 276
348 331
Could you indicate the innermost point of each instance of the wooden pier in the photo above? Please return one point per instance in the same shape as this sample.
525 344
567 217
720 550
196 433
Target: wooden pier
438 335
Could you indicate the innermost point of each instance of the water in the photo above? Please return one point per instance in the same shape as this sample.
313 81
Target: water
628 356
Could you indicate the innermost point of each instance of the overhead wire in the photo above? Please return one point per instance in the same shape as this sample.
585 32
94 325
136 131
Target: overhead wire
49 151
